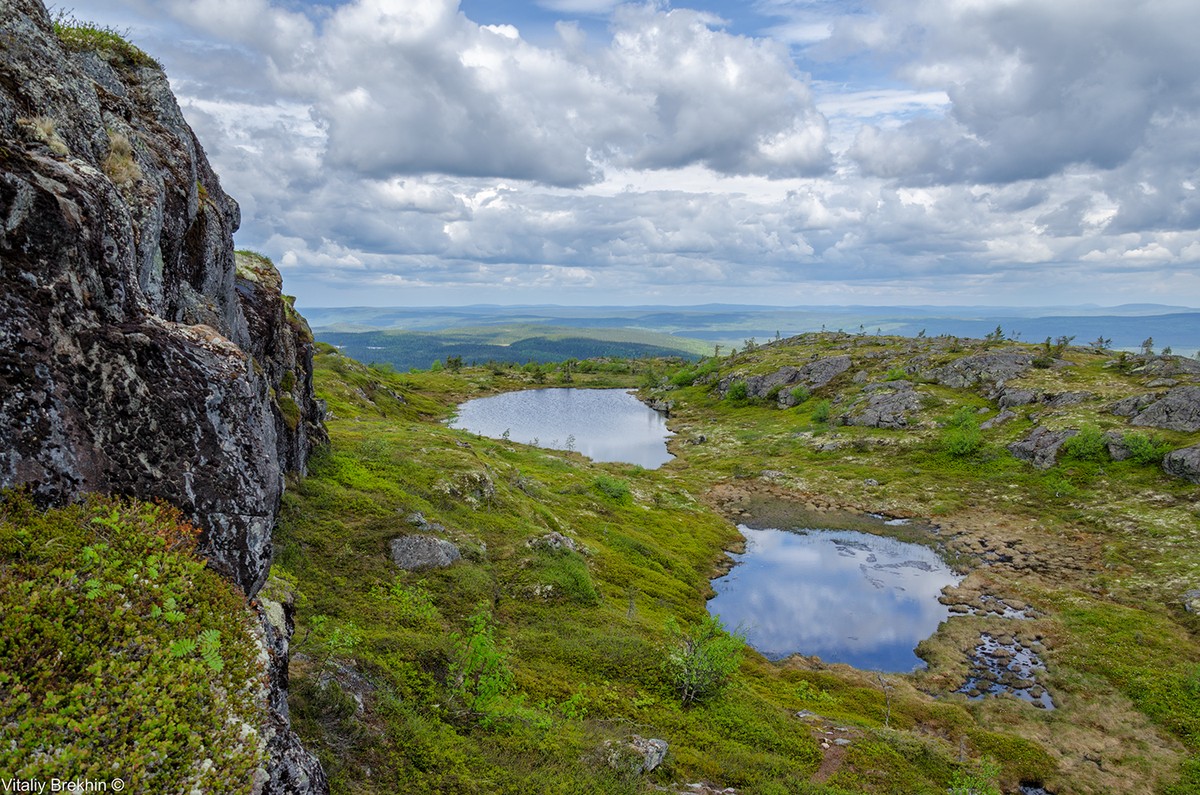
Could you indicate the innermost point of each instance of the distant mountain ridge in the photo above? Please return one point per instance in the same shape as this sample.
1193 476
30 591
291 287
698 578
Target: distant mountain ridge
1124 326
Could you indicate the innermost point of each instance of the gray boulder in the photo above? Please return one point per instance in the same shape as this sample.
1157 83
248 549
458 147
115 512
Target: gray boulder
1184 463
1178 410
415 553
1041 447
1115 442
1017 397
1066 399
636 754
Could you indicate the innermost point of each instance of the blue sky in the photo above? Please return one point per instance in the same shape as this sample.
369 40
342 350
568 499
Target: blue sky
426 152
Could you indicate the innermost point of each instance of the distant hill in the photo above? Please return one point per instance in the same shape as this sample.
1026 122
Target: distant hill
680 327
516 343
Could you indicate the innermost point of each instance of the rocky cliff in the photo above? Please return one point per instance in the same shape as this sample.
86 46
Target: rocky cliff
138 355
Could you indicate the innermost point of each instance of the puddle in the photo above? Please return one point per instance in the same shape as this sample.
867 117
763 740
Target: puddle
1009 667
842 595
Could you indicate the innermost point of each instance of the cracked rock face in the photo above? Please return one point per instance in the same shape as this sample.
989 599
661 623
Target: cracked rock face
133 359
136 358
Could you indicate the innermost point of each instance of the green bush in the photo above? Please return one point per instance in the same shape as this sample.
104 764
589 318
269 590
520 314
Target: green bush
613 488
479 672
822 411
737 392
120 651
895 374
961 437
800 394
1146 449
701 660
1087 445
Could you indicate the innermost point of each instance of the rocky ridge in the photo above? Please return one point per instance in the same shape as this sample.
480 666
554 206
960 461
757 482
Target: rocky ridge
138 355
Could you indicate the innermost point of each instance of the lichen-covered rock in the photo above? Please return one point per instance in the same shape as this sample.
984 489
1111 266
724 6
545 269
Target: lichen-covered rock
416 552
1178 410
1017 397
126 361
1184 463
887 405
130 361
991 368
1041 447
635 754
1001 418
282 344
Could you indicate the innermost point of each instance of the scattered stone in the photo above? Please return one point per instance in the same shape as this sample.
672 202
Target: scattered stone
813 375
417 552
1041 447
1191 600
843 741
870 482
1001 665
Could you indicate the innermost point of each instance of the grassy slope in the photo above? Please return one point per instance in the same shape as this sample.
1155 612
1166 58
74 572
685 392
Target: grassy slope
1108 547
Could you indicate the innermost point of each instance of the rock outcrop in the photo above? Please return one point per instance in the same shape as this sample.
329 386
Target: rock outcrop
886 405
1178 410
814 375
982 368
135 359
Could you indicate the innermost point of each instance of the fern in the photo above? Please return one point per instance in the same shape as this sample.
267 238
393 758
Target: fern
210 649
182 648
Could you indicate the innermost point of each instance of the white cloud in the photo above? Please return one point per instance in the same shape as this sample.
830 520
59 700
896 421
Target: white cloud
399 151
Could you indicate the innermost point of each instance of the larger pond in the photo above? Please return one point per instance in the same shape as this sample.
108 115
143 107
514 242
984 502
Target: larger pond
842 595
603 424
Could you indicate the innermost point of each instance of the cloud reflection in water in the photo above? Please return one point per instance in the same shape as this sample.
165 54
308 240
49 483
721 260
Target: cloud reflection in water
842 595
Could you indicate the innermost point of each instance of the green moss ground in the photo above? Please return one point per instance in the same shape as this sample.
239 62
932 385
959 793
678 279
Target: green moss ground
583 635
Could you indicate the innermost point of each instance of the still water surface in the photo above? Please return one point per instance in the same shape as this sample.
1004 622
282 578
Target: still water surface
842 595
603 424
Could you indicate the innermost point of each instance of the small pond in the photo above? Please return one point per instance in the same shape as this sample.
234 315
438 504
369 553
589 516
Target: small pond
603 424
842 595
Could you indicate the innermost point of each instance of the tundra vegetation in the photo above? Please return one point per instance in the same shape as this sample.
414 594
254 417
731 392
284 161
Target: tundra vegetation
576 617
573 624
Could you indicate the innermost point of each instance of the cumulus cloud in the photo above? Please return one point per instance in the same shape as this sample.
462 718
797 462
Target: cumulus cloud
1002 150
1034 87
418 87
